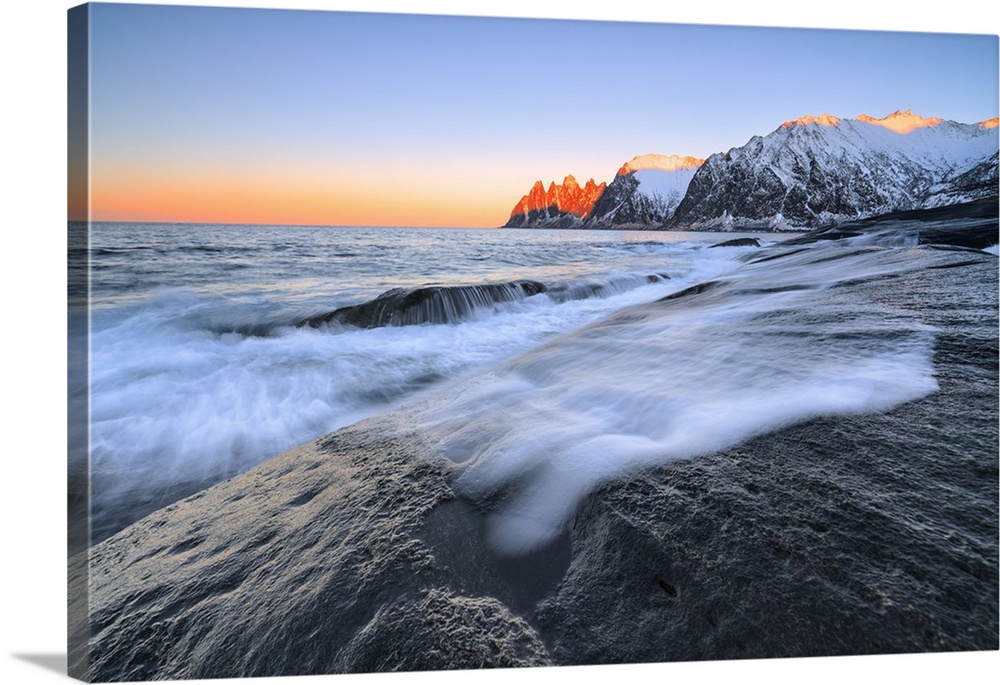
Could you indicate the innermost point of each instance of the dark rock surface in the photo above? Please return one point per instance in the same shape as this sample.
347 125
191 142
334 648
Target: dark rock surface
546 217
429 304
443 631
317 561
738 242
969 224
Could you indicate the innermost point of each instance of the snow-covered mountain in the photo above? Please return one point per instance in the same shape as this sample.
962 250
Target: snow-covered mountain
816 171
645 192
810 172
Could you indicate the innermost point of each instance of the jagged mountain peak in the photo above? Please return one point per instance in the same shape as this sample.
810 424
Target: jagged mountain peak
562 204
990 123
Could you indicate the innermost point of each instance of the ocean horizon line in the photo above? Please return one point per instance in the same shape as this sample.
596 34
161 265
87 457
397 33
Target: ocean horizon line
269 224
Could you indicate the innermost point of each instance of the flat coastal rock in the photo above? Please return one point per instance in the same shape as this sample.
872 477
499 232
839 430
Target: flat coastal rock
310 563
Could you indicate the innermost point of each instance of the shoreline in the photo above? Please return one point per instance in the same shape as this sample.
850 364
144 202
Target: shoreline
354 554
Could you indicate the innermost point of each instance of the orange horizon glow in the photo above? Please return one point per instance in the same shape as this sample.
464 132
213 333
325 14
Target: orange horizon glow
284 199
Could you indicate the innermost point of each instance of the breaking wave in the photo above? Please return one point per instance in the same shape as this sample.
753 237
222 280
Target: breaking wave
430 304
700 370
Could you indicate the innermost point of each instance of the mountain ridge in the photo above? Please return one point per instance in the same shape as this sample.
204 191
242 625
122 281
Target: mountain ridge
560 205
809 172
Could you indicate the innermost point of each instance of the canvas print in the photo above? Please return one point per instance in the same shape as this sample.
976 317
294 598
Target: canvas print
420 343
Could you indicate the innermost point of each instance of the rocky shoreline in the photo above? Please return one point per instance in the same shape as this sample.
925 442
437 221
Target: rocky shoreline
865 534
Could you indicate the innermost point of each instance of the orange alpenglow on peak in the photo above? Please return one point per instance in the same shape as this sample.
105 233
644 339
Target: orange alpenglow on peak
662 162
989 123
901 122
822 120
568 198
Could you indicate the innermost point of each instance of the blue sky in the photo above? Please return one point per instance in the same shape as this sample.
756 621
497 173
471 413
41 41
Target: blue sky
474 107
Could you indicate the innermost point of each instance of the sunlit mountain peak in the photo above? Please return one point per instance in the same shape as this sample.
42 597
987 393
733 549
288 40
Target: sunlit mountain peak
822 120
661 162
900 121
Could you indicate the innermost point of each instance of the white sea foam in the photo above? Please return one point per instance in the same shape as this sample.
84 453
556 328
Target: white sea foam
768 347
174 399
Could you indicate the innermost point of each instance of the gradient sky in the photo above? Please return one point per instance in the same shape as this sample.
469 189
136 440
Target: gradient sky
297 116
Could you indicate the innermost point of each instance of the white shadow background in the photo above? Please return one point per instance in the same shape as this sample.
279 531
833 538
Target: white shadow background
32 579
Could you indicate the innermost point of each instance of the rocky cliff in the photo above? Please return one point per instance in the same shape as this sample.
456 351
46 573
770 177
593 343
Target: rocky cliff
559 206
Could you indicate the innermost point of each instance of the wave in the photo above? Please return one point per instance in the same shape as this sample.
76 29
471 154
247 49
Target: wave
189 388
603 287
810 333
454 304
190 385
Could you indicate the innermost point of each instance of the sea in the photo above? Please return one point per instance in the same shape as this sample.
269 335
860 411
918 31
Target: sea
214 347
642 446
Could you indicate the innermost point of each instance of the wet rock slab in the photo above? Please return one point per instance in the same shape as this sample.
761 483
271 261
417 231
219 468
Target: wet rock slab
315 562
